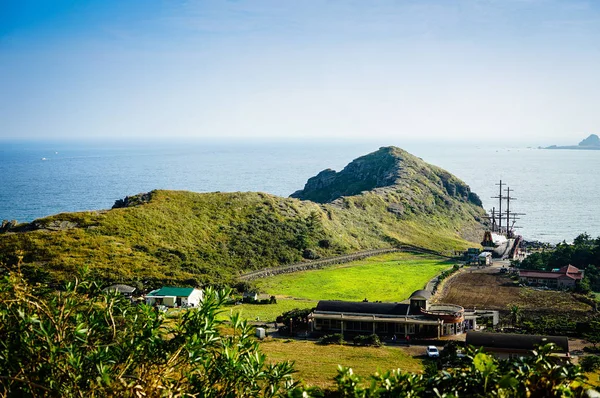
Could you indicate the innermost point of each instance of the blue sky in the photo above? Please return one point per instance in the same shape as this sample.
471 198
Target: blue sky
524 70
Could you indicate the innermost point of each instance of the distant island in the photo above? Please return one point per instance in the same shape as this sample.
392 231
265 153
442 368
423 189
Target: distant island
592 142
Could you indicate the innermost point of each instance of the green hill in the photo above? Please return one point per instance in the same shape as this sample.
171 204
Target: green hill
193 239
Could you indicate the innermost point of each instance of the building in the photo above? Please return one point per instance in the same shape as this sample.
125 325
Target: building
417 317
566 277
125 290
509 345
485 258
175 297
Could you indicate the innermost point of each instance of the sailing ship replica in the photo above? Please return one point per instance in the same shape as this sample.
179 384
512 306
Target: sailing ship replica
501 239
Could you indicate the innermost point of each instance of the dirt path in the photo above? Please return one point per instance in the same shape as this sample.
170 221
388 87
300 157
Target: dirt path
487 288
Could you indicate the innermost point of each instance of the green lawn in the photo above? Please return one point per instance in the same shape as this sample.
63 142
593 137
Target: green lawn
390 277
317 364
267 312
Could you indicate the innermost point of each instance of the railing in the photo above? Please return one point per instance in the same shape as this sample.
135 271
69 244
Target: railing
444 309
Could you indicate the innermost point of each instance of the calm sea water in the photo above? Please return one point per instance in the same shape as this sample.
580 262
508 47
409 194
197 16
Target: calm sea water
558 190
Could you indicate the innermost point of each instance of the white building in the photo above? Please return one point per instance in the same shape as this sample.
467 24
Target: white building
175 297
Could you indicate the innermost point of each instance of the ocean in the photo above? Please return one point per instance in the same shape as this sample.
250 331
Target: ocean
558 190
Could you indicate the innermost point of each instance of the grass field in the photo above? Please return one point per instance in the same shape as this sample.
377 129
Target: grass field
268 312
390 277
317 364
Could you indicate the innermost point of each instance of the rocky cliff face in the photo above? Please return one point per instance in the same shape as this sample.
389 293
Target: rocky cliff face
389 167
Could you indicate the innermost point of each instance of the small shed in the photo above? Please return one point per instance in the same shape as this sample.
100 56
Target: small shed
485 258
175 297
125 290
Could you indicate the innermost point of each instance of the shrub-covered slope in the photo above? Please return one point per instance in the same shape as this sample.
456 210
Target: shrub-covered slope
191 238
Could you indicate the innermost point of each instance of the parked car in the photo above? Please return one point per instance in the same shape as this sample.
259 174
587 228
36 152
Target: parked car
432 351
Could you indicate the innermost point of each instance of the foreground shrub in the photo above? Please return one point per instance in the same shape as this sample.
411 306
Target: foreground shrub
481 375
85 342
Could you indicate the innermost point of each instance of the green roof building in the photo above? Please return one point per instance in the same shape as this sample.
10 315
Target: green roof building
175 296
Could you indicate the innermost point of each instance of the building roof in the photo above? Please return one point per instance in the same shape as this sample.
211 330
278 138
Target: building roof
168 291
348 307
540 274
120 288
568 271
515 341
426 294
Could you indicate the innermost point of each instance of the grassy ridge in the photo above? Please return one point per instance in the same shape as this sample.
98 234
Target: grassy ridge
190 238
194 239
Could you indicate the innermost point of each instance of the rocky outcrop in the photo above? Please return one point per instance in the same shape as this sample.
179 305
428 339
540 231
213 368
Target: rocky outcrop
389 167
592 142
7 225
130 201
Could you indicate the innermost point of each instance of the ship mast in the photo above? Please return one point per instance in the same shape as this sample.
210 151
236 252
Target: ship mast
497 227
499 197
508 213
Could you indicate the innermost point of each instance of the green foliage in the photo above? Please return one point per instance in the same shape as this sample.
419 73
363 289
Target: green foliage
590 363
83 342
336 338
583 253
551 325
298 317
593 333
368 340
481 375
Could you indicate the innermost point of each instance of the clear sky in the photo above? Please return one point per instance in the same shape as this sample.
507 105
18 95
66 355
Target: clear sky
514 70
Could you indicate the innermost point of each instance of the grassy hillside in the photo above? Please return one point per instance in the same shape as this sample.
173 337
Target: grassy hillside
193 239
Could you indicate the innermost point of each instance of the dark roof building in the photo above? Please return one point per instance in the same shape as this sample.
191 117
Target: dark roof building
508 345
415 317
348 307
123 289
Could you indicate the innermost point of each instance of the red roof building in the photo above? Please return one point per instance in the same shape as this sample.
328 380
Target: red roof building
566 277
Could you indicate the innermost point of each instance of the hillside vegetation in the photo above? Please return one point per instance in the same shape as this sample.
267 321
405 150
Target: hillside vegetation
194 239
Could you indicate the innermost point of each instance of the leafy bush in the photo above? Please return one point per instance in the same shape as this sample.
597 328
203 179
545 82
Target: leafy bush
85 342
480 375
368 340
590 363
336 338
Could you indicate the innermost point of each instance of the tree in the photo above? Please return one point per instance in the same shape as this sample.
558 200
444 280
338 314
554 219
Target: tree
593 334
515 315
